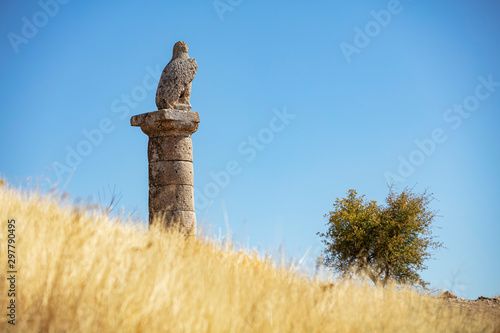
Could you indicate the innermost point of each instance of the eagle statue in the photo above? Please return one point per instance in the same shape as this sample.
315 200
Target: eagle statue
174 88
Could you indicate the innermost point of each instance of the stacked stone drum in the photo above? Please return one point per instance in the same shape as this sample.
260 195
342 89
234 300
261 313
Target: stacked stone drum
170 156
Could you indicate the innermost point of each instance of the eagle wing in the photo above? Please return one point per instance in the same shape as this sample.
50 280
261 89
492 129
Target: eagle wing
175 77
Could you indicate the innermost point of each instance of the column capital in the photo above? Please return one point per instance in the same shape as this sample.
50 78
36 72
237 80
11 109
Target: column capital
166 122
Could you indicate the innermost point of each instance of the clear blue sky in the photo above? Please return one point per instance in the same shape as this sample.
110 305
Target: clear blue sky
366 91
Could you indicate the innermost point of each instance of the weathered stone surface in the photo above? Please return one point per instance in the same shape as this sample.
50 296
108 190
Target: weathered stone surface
166 122
448 294
170 151
184 220
174 88
170 148
170 173
171 197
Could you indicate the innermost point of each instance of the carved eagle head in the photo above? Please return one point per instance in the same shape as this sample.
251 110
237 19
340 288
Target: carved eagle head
180 48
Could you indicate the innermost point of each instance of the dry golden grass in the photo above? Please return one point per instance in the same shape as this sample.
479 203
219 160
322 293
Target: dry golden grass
82 272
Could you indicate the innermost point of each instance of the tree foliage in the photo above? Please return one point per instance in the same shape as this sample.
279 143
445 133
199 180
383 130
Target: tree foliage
385 243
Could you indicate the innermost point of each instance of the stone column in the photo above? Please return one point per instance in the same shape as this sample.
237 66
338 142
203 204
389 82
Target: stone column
170 156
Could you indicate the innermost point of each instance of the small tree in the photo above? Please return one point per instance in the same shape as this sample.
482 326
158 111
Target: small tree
383 242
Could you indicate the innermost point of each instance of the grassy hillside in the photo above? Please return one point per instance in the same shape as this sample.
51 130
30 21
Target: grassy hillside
79 271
